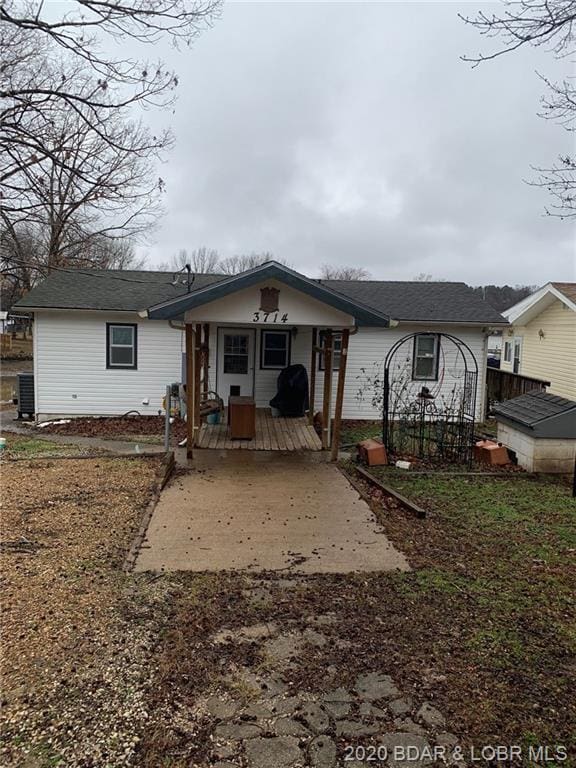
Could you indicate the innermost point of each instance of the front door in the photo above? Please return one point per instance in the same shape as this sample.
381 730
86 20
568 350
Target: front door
235 362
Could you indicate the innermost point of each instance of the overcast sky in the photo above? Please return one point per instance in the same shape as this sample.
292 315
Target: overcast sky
354 134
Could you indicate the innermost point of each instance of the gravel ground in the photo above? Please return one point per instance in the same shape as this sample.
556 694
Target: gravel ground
77 633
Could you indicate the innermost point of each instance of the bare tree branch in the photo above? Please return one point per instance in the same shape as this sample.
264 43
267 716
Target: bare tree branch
549 23
334 272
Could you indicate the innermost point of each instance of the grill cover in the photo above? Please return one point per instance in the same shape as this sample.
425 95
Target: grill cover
292 396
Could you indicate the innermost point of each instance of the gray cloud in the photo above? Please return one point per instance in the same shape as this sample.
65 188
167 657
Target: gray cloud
349 133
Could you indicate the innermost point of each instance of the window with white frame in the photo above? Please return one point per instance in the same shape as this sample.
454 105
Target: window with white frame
275 349
121 349
507 351
425 358
336 350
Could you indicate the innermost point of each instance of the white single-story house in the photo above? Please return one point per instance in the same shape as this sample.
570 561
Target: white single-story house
108 342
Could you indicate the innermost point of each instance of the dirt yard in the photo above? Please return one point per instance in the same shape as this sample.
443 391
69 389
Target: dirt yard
475 646
133 427
75 632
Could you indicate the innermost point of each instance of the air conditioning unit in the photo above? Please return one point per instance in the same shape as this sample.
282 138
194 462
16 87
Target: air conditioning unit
25 395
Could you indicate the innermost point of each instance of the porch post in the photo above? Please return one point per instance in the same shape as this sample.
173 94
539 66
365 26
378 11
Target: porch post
197 372
190 399
340 394
206 356
327 390
313 365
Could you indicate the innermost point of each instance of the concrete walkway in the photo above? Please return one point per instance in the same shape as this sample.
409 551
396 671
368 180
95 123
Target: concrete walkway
265 511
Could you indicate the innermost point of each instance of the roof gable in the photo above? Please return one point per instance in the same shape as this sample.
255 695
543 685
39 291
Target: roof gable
271 270
530 307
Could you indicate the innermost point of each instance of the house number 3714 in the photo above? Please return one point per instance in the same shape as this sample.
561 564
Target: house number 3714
269 317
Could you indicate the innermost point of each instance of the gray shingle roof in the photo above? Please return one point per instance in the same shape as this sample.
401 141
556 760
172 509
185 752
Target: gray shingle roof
135 290
533 407
421 301
125 290
541 414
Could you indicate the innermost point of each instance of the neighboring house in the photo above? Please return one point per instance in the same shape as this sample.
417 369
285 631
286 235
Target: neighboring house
107 342
542 341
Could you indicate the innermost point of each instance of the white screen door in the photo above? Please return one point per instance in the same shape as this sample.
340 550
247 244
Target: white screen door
235 362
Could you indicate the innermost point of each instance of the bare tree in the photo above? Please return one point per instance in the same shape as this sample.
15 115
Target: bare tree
334 272
80 37
203 259
426 277
552 24
233 265
85 190
23 261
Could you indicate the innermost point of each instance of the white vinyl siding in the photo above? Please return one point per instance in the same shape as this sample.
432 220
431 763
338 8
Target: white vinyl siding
71 377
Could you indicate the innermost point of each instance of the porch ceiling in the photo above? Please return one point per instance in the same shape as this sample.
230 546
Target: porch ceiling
359 313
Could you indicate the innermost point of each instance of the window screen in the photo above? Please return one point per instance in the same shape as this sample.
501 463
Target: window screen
121 346
425 360
275 349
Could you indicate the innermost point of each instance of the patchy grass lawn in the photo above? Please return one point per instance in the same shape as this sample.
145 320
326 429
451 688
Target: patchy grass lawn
23 447
354 431
77 633
484 626
497 560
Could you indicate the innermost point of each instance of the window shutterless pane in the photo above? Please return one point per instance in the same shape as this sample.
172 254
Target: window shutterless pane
275 358
275 349
275 341
425 368
235 363
121 355
123 335
426 345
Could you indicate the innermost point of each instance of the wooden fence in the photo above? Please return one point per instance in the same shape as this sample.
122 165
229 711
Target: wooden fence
504 385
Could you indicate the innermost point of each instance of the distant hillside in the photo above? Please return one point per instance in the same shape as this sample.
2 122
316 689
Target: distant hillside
502 297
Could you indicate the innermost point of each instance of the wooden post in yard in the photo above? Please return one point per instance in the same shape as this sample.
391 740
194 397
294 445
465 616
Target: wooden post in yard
197 374
313 365
340 394
189 390
326 409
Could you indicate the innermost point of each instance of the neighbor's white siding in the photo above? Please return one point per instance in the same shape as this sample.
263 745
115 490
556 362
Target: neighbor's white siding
71 377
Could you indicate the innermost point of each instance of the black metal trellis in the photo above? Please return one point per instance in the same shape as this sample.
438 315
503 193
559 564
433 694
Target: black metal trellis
432 419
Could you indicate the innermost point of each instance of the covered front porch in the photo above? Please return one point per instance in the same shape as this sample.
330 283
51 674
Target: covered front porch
273 433
241 333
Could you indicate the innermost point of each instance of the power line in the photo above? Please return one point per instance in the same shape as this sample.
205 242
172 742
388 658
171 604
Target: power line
105 274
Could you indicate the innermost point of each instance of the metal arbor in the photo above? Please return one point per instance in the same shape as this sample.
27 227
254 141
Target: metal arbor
430 418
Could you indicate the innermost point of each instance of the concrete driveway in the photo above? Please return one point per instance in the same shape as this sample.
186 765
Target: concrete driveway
264 511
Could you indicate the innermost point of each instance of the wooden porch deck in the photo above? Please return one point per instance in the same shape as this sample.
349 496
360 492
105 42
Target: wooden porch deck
272 434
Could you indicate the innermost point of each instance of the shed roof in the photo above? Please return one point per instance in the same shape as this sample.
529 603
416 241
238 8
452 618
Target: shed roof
540 413
135 290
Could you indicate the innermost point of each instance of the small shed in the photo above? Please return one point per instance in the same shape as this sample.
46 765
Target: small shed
540 428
